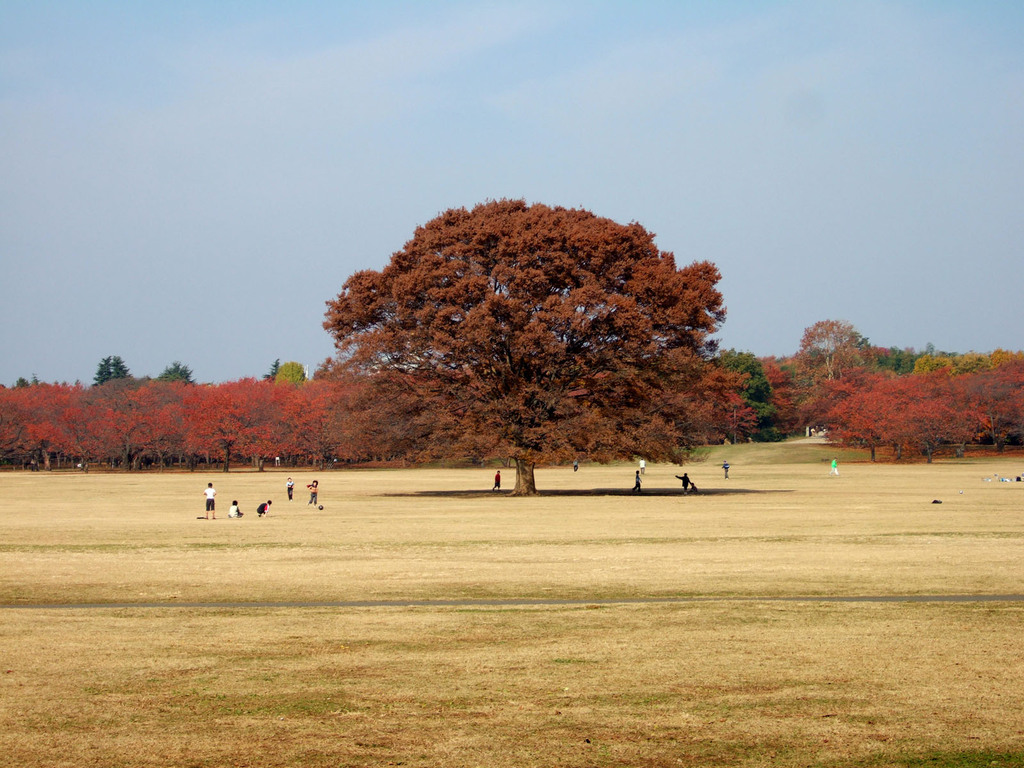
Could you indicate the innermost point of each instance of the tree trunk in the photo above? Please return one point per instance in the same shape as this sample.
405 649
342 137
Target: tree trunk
525 485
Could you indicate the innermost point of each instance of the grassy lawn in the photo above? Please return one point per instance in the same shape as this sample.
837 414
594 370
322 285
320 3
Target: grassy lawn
746 659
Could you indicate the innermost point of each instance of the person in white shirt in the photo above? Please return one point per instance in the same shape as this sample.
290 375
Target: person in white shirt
210 507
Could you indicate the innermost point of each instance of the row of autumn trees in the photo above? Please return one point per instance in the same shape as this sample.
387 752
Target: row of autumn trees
533 334
904 402
133 424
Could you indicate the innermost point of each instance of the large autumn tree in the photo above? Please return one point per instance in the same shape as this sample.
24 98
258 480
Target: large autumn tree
557 332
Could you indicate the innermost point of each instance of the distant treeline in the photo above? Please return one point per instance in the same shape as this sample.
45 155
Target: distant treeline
899 402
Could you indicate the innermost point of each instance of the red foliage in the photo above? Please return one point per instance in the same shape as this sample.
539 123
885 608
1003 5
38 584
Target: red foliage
784 396
235 416
997 396
922 412
310 419
551 332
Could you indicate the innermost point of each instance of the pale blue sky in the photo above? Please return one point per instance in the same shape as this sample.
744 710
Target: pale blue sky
193 180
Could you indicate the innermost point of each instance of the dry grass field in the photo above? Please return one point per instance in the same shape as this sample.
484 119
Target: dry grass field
781 617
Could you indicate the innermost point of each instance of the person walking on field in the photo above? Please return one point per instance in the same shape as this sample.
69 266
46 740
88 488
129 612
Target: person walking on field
210 494
314 490
725 467
643 466
636 485
835 468
290 485
497 481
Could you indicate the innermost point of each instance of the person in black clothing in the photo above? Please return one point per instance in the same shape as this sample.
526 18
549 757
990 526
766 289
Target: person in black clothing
687 483
263 509
636 485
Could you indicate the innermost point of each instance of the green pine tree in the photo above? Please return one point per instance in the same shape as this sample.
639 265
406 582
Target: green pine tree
111 368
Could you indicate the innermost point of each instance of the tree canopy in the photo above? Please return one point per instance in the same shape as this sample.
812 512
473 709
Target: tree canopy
755 391
111 368
291 372
176 371
829 348
548 332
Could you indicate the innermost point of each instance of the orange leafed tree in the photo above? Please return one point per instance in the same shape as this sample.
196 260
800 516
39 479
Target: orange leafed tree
998 398
860 415
784 395
310 419
554 331
134 417
14 421
938 414
232 416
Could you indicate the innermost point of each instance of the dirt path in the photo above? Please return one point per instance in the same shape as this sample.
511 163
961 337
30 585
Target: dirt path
512 602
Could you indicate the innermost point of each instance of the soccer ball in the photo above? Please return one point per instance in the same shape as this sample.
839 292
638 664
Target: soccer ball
321 506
